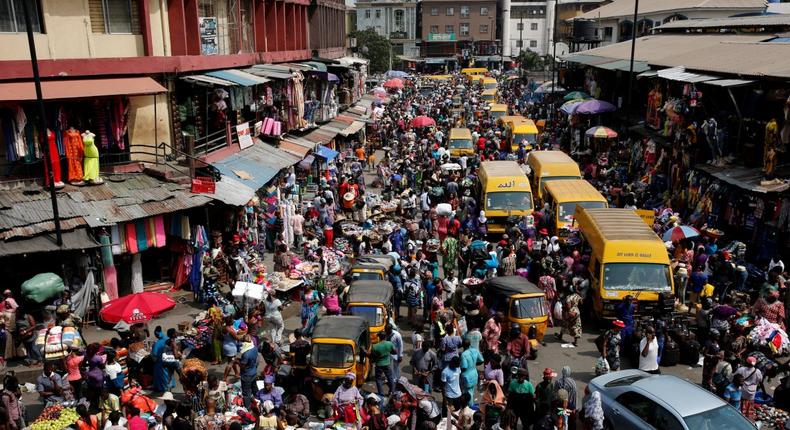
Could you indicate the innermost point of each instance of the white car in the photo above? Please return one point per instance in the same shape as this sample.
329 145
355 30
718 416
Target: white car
633 399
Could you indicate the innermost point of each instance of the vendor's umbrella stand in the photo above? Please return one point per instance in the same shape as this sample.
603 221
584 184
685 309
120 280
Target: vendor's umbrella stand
679 233
592 107
393 83
600 132
422 121
576 95
135 308
396 74
570 106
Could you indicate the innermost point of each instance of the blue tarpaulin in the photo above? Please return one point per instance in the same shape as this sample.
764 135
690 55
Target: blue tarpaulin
257 165
238 77
325 152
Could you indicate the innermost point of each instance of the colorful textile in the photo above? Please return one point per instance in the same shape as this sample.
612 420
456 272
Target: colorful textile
75 150
142 241
159 231
131 238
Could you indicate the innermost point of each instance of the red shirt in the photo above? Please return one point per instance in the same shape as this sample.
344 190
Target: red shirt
137 423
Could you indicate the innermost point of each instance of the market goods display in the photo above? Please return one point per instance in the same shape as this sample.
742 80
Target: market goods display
55 417
771 416
42 287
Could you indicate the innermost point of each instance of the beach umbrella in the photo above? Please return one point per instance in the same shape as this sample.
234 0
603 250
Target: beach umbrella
396 74
593 106
422 121
393 83
135 308
573 95
679 233
570 106
601 132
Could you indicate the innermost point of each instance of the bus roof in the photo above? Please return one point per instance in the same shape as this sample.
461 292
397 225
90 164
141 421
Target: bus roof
617 224
511 118
498 107
500 169
527 126
460 133
574 190
543 157
489 92
487 80
474 70
439 77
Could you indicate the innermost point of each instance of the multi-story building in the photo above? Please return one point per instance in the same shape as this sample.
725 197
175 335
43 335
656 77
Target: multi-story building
615 21
530 23
459 29
327 28
393 19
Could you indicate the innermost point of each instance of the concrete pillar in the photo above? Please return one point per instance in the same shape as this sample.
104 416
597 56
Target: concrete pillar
505 28
550 7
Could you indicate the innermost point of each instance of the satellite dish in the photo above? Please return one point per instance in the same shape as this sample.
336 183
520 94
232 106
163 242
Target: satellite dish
562 49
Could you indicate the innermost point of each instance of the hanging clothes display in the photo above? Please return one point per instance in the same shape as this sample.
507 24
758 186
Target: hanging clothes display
91 159
137 273
297 99
109 271
75 150
54 161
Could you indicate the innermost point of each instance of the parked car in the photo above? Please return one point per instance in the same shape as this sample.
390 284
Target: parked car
633 399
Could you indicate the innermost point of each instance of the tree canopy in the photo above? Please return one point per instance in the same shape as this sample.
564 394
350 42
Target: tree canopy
374 48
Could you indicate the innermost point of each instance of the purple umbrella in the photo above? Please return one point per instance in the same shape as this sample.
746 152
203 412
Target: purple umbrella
592 107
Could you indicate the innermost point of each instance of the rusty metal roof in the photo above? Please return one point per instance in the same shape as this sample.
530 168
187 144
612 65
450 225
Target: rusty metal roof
28 211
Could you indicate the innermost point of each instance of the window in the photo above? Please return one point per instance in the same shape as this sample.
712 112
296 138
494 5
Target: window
675 17
464 28
367 13
483 11
378 13
434 11
12 16
399 23
449 29
519 44
520 26
533 43
528 11
649 411
484 28
626 29
434 29
450 11
533 26
607 33
114 16
643 27
464 11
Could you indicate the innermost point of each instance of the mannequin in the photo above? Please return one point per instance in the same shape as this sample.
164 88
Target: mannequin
710 130
771 141
54 161
91 160
75 151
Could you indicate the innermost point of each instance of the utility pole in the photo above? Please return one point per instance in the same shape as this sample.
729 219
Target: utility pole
631 67
553 56
42 124
521 42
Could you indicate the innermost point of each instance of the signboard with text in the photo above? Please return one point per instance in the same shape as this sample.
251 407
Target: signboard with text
441 37
208 35
245 136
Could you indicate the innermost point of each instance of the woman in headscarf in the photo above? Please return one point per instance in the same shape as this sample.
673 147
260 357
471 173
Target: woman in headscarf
470 359
593 412
565 382
493 403
310 305
480 225
347 400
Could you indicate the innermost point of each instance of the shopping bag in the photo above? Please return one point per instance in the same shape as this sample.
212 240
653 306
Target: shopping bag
601 366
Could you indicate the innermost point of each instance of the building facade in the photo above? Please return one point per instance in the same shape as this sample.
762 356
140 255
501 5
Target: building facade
465 29
395 20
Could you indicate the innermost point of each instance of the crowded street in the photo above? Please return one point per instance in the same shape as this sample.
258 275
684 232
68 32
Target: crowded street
265 215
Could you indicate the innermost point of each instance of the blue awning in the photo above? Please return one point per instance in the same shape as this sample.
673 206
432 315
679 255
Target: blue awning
238 77
325 152
257 165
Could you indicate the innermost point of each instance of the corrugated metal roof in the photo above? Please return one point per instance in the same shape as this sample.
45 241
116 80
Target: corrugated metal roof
208 80
230 191
625 8
238 76
71 240
257 165
749 179
739 54
624 65
729 83
121 198
353 128
741 21
681 75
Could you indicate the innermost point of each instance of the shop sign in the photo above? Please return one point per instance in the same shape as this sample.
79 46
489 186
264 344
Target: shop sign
208 35
441 37
245 136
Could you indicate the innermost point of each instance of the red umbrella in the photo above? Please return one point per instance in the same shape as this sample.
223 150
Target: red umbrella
136 308
393 83
422 121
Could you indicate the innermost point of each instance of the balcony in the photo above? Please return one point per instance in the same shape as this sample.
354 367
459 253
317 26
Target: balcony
399 35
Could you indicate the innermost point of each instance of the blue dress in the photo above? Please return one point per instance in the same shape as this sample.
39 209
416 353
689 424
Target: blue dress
162 380
470 359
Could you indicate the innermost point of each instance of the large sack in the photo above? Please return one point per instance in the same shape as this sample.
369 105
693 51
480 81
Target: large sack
42 287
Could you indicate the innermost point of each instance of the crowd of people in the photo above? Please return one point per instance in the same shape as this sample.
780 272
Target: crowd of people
470 366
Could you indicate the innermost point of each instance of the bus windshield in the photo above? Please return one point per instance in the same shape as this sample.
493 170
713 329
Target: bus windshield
372 314
460 144
653 277
509 200
524 137
566 210
528 307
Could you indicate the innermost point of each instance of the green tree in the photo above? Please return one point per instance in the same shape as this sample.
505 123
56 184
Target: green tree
374 48
530 60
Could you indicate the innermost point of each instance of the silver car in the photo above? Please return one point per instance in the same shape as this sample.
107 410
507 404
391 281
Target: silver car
633 399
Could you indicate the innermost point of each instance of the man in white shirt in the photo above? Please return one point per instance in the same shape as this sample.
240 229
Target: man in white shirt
648 352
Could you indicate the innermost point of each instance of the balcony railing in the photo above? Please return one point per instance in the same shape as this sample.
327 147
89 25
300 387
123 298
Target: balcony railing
399 35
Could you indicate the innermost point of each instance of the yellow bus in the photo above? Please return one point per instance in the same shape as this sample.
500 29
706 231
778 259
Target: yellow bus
497 111
564 196
524 131
504 191
551 166
460 142
475 79
489 83
626 259
474 71
489 95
